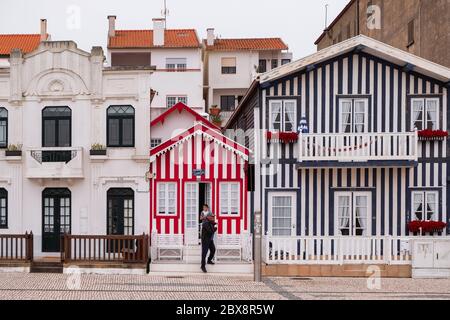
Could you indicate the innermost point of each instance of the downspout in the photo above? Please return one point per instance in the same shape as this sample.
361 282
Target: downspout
357 17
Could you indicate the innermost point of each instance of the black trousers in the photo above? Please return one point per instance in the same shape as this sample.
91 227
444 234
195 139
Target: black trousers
208 246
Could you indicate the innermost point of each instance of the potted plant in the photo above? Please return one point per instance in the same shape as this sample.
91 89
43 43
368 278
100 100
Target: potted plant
217 120
98 149
214 110
14 150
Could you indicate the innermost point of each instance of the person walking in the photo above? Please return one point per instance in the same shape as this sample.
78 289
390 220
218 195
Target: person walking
208 231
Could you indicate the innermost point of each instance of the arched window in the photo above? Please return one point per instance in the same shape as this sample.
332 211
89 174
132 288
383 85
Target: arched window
3 208
120 128
3 128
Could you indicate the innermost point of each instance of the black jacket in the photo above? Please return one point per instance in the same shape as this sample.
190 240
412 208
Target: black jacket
208 230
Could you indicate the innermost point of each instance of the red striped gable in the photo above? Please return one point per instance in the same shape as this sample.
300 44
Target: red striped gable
180 107
213 133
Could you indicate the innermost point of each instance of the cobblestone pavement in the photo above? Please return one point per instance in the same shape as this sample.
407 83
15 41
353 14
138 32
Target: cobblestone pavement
58 286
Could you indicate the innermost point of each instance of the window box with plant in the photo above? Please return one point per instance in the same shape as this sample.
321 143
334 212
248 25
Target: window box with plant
14 150
432 135
283 137
98 149
423 227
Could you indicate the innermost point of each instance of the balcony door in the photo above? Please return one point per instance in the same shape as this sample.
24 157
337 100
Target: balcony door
56 216
353 119
56 133
120 211
353 212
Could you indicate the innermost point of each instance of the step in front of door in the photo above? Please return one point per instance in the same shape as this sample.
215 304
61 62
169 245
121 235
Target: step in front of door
46 267
192 267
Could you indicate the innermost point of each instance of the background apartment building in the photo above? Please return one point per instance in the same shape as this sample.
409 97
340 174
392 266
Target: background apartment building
415 26
231 65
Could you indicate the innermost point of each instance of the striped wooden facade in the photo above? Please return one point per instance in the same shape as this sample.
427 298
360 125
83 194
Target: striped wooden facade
389 88
221 160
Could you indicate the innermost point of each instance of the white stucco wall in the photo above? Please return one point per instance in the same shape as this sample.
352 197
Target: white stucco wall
61 75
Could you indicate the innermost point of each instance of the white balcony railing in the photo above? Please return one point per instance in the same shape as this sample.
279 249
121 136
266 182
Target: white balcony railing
358 147
337 250
54 163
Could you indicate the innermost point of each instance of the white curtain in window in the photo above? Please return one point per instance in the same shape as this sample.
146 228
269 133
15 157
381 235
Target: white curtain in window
361 212
417 114
431 205
275 115
344 212
346 111
432 107
289 116
360 116
418 205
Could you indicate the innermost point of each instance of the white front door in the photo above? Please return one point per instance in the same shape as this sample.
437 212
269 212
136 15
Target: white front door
192 214
353 212
282 214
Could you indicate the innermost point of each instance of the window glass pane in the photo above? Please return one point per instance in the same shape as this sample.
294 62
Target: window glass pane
275 115
113 132
3 113
417 114
346 116
49 133
3 133
64 133
289 116
431 116
127 132
281 215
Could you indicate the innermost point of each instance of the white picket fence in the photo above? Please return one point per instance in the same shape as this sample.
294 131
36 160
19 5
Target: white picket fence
337 250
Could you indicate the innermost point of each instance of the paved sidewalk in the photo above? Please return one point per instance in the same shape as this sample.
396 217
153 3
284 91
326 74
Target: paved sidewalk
186 287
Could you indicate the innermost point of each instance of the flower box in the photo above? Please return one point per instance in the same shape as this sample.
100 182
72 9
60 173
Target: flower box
426 226
432 135
13 153
97 152
283 137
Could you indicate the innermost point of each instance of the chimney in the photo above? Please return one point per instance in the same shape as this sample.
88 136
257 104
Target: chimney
159 27
112 26
43 29
210 37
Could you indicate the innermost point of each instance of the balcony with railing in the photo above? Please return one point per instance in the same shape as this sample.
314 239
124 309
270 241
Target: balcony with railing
54 163
337 149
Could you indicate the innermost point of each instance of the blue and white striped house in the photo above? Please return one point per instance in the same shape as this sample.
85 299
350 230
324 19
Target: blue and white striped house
364 164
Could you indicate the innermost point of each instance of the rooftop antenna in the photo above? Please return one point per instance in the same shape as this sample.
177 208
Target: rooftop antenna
165 13
326 16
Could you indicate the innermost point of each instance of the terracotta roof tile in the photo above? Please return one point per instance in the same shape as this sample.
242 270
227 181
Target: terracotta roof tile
248 44
174 38
25 42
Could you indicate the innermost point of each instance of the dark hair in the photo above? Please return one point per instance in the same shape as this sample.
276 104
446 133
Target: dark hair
205 205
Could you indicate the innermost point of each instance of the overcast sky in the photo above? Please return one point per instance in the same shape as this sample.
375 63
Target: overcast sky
298 22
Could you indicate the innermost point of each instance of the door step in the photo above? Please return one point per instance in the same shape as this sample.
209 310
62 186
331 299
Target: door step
191 267
46 267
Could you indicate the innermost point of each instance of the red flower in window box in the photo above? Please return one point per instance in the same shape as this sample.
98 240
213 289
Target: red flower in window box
428 134
426 226
283 137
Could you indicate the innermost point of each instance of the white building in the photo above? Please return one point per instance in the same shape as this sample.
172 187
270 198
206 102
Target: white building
57 102
176 55
231 65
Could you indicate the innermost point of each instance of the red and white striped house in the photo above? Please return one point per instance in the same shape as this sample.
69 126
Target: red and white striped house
196 165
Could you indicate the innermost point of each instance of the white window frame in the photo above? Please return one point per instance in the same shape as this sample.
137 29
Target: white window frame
293 196
165 191
283 114
424 111
424 194
352 113
176 66
181 98
229 199
352 226
154 142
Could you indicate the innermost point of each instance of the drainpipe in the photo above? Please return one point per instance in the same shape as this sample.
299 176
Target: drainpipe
258 246
357 17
